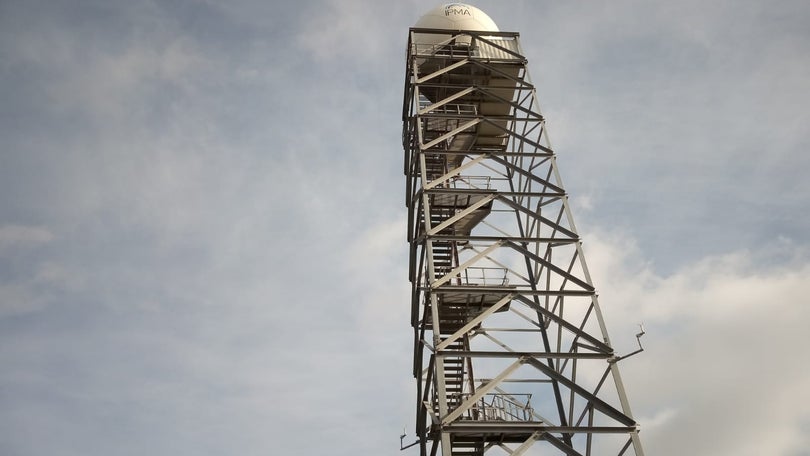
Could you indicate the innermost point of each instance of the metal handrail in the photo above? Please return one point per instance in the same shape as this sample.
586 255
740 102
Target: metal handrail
501 407
472 182
494 278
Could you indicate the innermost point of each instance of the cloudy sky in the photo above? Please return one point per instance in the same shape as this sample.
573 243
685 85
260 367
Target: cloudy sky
202 242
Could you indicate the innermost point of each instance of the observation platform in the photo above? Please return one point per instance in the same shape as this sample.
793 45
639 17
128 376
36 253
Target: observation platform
467 75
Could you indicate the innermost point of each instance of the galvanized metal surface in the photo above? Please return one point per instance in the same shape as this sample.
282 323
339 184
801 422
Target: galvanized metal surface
511 353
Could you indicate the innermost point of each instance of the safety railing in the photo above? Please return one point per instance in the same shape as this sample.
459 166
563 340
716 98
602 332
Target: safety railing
483 276
457 109
472 182
487 45
500 407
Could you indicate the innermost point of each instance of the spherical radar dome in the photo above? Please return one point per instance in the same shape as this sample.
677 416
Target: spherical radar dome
457 16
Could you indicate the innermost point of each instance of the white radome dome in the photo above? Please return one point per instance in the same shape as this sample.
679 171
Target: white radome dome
457 16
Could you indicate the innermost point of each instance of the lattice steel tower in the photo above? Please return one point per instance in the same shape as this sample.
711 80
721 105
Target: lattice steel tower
511 353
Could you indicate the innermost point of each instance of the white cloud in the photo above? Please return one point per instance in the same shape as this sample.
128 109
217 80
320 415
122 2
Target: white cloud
353 29
724 369
378 270
39 285
23 235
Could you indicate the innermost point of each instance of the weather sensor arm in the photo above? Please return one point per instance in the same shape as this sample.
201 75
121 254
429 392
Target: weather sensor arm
640 348
402 445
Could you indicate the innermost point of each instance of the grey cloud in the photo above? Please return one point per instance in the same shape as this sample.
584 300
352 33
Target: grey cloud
206 253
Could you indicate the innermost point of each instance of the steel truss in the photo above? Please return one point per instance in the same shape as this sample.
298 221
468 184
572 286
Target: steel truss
511 353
